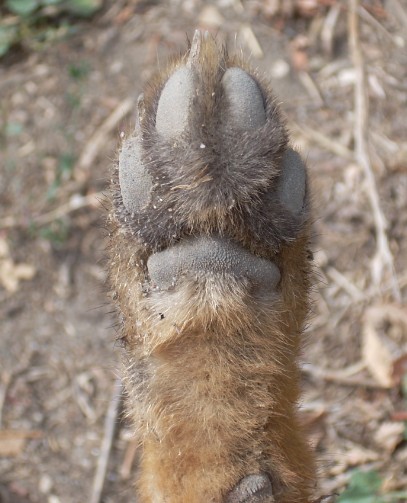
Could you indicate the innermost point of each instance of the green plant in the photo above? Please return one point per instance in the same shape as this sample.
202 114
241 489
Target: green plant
63 173
404 393
56 232
364 487
35 22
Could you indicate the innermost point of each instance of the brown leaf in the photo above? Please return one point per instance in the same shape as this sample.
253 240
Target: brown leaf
12 442
389 435
381 350
10 273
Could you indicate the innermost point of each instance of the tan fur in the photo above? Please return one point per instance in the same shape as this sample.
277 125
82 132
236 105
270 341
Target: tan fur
210 368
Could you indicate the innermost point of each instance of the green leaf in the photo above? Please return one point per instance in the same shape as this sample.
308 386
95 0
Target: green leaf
66 165
404 386
13 129
22 7
56 232
359 499
83 7
50 2
79 71
363 488
8 35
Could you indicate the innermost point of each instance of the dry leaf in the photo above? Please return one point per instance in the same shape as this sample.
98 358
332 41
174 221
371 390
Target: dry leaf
12 442
379 351
10 273
389 435
358 455
210 17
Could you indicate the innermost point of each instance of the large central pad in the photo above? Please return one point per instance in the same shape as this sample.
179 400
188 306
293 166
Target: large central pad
198 257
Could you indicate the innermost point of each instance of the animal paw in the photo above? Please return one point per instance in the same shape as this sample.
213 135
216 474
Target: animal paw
209 262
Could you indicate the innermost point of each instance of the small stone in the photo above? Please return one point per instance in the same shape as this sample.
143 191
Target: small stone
45 484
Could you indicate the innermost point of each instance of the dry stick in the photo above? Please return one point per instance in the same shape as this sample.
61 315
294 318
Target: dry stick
92 148
324 141
75 203
110 426
6 379
365 14
383 257
400 11
339 378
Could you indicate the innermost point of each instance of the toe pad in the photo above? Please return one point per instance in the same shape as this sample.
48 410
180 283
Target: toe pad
251 489
174 106
135 182
292 186
245 107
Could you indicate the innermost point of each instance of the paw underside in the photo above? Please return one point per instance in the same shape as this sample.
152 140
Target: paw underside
210 189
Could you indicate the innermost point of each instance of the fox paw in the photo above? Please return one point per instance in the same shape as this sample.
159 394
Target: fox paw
209 262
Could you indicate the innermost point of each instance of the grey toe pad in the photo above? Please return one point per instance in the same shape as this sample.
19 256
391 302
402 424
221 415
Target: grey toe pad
174 106
291 189
244 100
135 182
206 255
251 489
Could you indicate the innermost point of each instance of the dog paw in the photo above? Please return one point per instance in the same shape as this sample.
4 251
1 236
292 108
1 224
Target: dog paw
208 183
208 248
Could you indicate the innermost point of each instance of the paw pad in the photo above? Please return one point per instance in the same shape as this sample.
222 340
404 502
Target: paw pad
254 488
174 105
291 189
135 181
244 100
210 255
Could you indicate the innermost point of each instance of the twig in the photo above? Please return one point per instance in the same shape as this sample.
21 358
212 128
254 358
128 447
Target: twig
342 377
343 282
311 87
96 142
110 426
383 258
246 32
5 382
400 12
130 454
324 141
328 28
76 202
365 14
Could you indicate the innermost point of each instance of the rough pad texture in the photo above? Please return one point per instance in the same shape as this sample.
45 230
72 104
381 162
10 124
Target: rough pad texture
175 101
245 106
252 489
292 186
135 182
209 255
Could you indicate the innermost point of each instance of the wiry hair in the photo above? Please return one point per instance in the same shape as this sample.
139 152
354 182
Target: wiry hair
210 365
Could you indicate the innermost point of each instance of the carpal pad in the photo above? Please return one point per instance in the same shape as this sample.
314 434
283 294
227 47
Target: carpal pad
208 255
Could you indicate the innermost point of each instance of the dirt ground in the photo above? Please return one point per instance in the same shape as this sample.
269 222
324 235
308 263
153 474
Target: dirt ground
344 92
